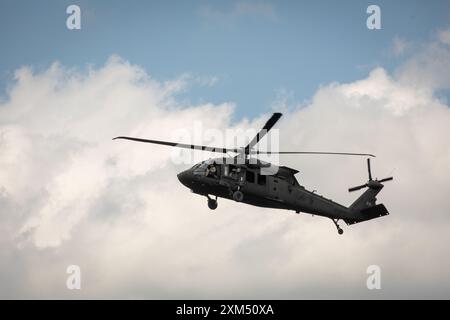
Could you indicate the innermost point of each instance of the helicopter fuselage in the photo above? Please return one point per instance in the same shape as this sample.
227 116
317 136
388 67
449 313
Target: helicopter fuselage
280 190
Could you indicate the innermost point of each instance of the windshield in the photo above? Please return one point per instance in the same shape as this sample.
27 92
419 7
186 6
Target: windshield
201 168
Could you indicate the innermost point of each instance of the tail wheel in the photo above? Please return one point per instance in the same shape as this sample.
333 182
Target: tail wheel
212 204
339 230
238 196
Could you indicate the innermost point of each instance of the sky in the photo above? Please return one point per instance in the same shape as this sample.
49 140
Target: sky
69 195
254 51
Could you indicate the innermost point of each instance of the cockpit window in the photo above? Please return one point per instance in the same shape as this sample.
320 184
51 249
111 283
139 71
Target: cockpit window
200 168
208 168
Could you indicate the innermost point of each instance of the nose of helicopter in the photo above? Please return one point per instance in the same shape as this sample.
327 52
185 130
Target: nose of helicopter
183 177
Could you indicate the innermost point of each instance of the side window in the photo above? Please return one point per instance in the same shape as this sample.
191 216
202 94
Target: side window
228 169
232 172
261 179
250 176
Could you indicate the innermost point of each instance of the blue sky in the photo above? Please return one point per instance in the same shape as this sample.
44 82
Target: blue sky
259 54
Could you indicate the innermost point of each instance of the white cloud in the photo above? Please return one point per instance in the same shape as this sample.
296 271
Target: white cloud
444 36
427 66
427 69
399 46
207 81
70 195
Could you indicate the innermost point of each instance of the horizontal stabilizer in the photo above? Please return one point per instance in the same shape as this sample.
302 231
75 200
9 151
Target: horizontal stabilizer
369 213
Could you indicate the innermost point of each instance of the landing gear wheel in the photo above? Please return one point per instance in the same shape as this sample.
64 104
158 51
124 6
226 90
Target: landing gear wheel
212 204
339 230
238 196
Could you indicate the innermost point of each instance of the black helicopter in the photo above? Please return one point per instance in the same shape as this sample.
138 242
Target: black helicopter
243 179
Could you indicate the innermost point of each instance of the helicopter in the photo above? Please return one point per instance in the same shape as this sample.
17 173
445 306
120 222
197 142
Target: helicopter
248 180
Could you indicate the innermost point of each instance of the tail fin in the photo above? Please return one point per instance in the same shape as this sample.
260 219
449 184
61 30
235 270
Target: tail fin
367 199
365 207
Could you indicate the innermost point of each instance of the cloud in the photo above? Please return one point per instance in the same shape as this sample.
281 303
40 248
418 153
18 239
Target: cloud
427 65
241 9
399 46
71 195
444 36
427 69
207 81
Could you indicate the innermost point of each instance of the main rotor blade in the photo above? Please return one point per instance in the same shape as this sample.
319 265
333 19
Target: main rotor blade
269 124
386 179
314 152
181 145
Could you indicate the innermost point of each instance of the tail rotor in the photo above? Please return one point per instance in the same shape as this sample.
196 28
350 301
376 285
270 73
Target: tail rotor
373 184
